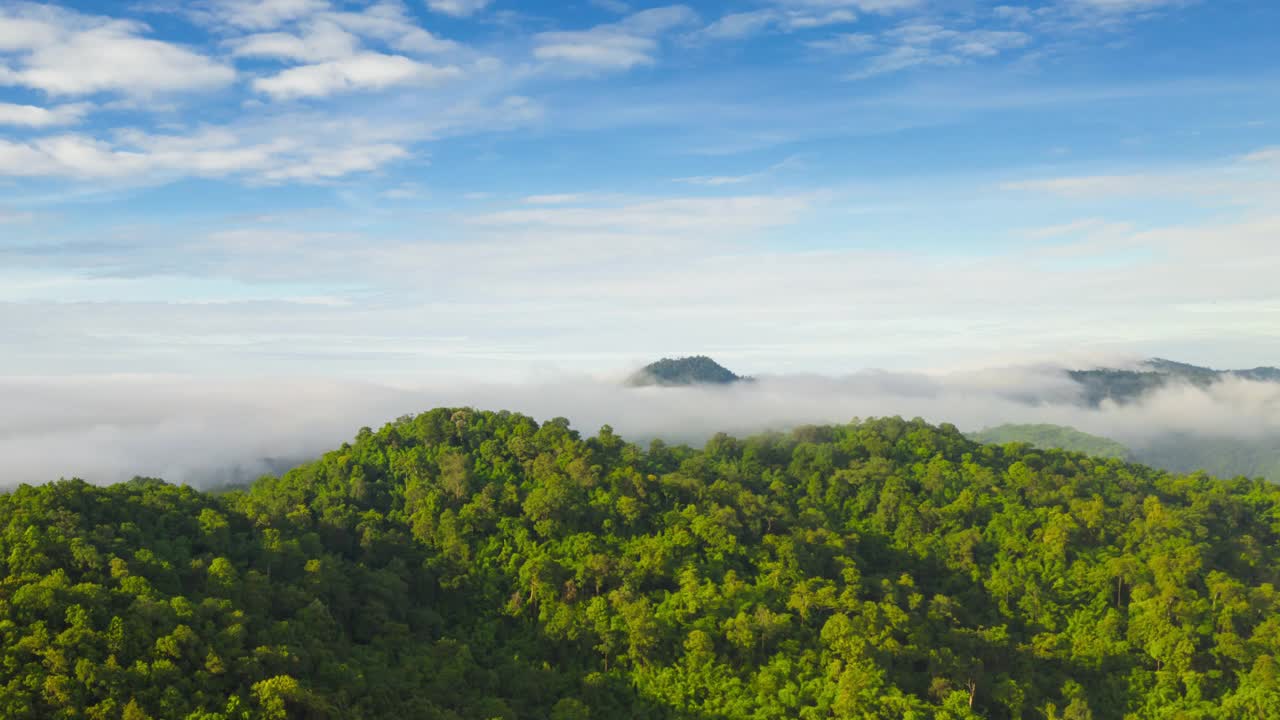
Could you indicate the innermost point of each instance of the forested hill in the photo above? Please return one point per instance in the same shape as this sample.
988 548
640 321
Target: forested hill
477 565
1053 436
694 370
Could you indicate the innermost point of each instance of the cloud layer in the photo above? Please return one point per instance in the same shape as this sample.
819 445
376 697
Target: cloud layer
106 429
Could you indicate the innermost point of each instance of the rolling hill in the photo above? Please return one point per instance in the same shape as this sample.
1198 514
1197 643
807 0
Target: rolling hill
469 565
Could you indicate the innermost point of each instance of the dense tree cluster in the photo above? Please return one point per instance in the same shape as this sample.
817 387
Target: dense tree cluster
479 565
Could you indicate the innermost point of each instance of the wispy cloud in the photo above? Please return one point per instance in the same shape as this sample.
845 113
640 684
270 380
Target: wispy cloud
747 24
34 116
210 153
625 44
646 216
1251 179
1066 17
916 44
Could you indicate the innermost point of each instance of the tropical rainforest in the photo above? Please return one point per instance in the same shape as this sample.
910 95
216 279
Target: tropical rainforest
463 564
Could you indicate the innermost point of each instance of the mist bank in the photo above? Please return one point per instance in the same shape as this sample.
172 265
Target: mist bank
212 431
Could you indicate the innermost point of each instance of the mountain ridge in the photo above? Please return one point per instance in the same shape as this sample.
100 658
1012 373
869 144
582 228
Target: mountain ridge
1121 385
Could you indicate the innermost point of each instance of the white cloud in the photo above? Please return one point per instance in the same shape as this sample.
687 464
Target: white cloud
321 41
319 31
458 8
39 117
331 46
65 53
620 53
362 71
264 14
308 21
622 45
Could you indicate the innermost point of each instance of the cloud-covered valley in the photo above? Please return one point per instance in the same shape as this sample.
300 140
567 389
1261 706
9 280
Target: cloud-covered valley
205 432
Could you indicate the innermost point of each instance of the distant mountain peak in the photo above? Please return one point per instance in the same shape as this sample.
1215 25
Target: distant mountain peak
684 371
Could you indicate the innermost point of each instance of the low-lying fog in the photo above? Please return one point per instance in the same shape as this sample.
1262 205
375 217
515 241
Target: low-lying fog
204 432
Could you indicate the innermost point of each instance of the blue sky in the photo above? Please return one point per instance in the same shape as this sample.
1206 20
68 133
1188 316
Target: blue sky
396 189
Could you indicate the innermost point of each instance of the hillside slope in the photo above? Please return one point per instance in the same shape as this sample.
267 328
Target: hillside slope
466 564
1050 437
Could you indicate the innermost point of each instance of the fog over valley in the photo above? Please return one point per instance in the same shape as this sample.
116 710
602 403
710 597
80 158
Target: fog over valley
208 432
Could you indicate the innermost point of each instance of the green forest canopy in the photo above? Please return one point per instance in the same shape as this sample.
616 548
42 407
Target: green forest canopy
478 565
